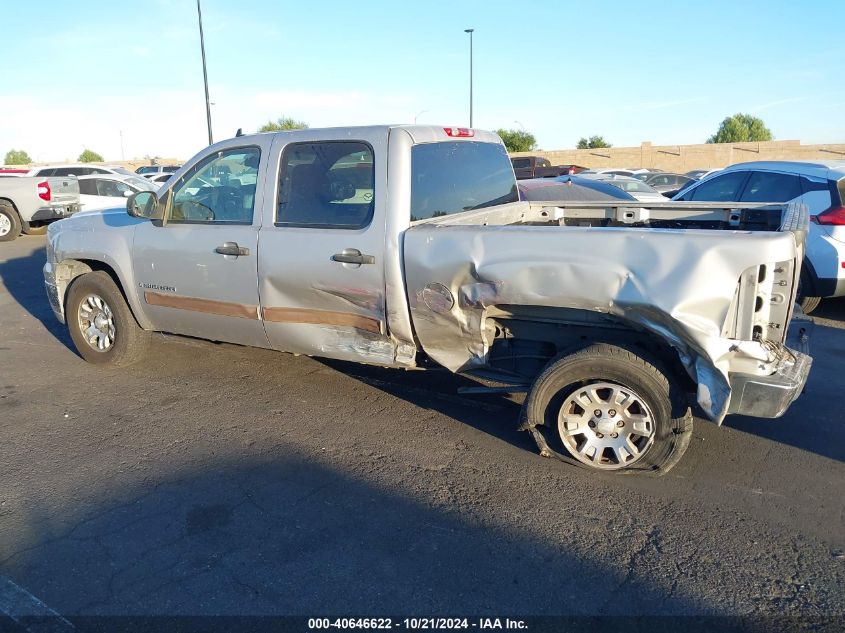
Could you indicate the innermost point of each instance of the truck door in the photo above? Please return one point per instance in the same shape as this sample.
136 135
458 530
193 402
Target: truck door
320 260
197 270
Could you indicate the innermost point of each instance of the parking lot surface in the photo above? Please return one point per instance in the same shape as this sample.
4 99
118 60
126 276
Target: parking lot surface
214 479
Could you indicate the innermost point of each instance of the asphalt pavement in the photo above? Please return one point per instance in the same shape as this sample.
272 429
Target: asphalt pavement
215 479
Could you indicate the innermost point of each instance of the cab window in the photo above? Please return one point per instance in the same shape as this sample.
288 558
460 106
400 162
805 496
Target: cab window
723 188
327 185
218 190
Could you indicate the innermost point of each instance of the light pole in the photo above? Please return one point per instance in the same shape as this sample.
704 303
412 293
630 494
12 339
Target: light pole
205 76
521 126
419 114
470 31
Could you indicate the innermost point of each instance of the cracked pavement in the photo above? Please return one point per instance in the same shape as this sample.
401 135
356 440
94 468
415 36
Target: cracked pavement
214 479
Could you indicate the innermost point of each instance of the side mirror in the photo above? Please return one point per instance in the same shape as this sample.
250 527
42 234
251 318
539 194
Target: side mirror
144 205
127 193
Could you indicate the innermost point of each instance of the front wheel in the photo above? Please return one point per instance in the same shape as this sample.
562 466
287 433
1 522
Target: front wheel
101 325
607 408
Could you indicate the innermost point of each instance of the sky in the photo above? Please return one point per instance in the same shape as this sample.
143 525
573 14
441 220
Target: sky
124 77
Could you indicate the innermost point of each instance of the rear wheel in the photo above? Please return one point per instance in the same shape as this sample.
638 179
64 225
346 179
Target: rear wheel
101 325
808 304
35 230
607 408
10 223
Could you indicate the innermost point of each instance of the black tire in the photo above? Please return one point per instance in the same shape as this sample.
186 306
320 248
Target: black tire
8 212
808 304
35 230
568 374
129 340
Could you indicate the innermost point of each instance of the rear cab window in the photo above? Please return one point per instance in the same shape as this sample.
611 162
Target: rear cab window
455 176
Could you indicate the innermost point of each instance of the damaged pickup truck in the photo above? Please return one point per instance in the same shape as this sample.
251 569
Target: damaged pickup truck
407 247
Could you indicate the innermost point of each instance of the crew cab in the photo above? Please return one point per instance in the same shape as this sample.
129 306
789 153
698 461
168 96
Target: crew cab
407 247
30 204
538 167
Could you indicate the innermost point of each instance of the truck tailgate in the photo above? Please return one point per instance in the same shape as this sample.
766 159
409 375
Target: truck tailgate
63 190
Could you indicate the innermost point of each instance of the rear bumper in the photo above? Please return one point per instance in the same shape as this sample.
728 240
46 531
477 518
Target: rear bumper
770 396
56 212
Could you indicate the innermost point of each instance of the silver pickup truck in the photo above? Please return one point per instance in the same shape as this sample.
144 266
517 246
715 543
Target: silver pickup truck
407 247
30 204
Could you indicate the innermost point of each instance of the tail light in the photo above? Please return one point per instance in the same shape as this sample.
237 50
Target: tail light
459 132
834 216
44 191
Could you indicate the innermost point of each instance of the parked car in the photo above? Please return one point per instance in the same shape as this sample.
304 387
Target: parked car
698 174
407 246
6 172
526 167
151 170
107 191
639 190
664 182
611 171
29 204
158 179
818 184
569 188
78 170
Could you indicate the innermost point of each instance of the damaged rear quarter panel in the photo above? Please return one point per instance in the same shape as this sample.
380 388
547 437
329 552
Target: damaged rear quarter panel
676 284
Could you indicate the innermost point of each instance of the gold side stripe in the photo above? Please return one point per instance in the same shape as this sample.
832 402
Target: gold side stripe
207 306
322 317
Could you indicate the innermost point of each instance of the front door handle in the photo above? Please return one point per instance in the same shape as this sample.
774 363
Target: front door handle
353 256
231 248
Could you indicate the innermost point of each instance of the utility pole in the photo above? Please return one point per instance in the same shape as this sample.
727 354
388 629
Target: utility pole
470 31
122 157
205 77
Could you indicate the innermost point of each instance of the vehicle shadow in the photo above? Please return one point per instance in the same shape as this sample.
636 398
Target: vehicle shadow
437 389
814 422
284 536
23 279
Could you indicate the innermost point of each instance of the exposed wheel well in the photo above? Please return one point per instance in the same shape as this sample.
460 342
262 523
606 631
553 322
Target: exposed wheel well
525 341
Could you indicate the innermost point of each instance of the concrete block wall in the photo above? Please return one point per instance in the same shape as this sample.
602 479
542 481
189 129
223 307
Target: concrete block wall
683 158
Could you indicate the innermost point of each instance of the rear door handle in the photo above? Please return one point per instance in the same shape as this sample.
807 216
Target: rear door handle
353 256
231 248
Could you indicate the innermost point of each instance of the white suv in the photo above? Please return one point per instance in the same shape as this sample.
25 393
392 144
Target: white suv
78 170
818 184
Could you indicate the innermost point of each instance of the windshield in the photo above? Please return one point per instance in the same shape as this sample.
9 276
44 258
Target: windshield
450 177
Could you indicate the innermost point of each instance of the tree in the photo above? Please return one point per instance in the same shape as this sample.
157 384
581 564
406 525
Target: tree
518 140
594 142
17 157
741 128
88 156
283 123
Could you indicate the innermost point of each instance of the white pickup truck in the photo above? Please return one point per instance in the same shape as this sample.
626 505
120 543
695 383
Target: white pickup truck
29 204
407 246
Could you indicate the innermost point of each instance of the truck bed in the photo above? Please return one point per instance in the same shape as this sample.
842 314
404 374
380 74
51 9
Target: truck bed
716 282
